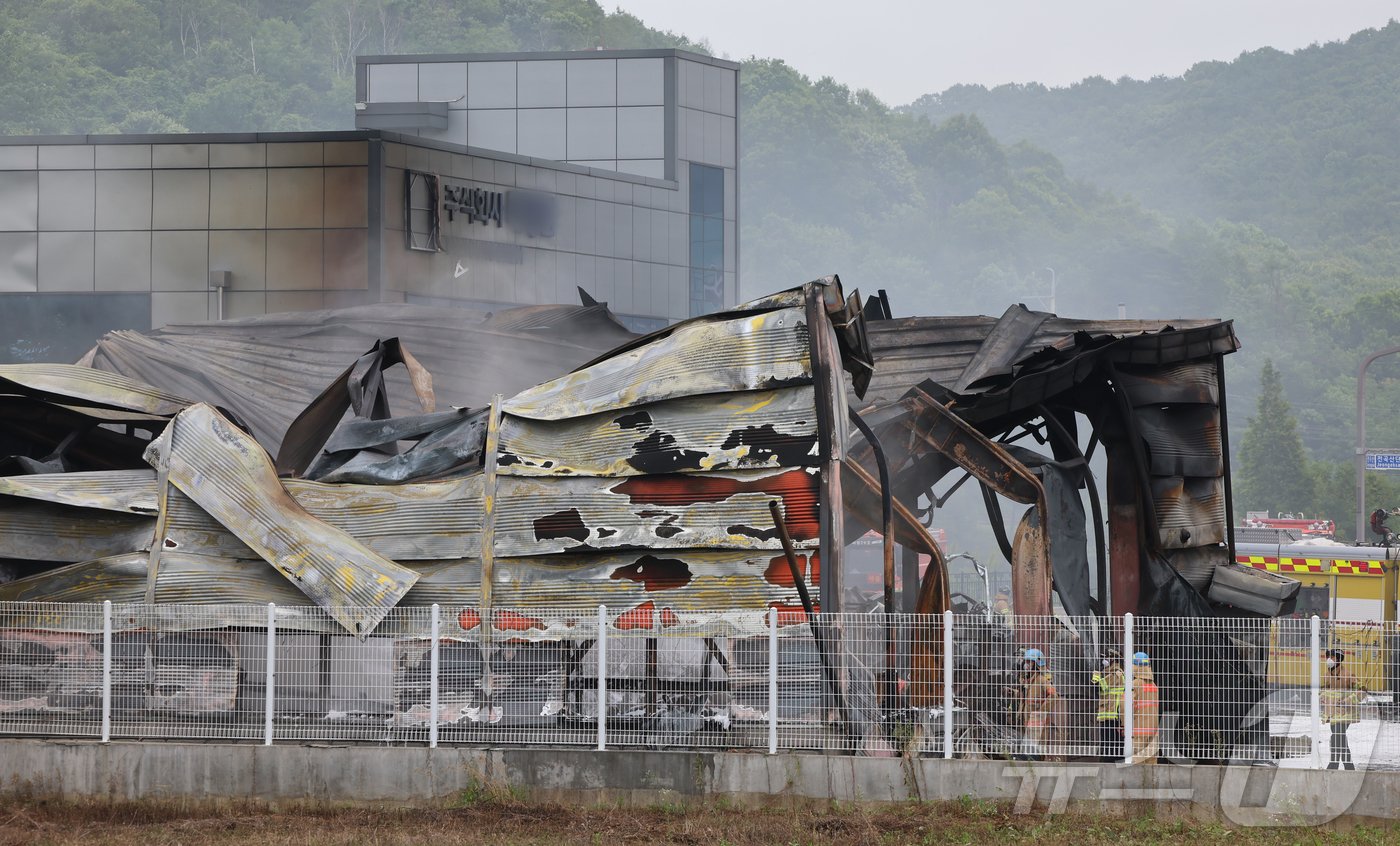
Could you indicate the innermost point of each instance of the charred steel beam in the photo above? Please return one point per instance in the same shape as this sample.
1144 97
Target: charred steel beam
488 542
1225 455
830 403
887 548
945 432
818 630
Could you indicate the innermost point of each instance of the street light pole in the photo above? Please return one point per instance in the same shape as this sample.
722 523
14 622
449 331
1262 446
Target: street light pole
1361 440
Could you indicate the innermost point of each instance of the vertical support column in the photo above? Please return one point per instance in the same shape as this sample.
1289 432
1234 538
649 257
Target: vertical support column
106 670
270 683
602 677
1127 688
947 684
434 663
772 681
1315 689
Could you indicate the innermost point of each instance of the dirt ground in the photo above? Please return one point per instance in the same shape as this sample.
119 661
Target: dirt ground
489 820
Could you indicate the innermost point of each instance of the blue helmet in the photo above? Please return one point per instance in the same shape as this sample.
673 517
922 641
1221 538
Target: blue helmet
1140 659
1035 656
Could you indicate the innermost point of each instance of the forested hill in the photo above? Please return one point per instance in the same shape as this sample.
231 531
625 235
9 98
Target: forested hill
1301 144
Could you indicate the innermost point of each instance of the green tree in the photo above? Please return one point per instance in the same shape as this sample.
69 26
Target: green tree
1272 473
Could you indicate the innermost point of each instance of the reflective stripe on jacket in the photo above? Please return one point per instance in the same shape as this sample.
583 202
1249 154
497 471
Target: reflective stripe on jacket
1342 693
1110 684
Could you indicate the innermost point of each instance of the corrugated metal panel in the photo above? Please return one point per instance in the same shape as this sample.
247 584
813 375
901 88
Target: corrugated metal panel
711 510
417 521
125 491
688 579
719 432
38 531
266 369
87 386
409 522
228 475
1190 511
756 352
1182 440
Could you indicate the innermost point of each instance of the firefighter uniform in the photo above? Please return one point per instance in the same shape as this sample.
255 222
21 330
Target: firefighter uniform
1342 695
1110 716
1146 708
1037 705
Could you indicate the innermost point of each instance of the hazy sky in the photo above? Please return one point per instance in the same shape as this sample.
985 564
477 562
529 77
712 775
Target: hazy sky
901 50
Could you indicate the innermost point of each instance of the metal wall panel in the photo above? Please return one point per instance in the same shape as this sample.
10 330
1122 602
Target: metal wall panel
237 155
346 197
19 261
755 352
346 259
123 199
540 84
436 81
65 261
180 261
65 200
244 254
294 260
179 155
592 133
122 261
180 199
592 82
239 199
65 157
640 82
491 85
295 199
19 201
295 154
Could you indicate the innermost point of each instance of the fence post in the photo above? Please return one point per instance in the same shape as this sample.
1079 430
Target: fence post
772 681
1315 689
947 684
1127 688
602 677
106 670
434 664
270 683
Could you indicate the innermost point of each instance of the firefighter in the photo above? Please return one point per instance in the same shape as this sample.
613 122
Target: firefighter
1378 526
1109 678
1145 710
1038 699
1002 606
1342 694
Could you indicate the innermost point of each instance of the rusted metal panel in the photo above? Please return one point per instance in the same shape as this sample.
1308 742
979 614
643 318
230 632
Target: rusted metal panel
1182 440
1192 382
73 385
709 510
38 531
1190 511
751 353
228 475
735 431
122 491
680 580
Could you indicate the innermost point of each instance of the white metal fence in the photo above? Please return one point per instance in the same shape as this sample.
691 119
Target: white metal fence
1209 689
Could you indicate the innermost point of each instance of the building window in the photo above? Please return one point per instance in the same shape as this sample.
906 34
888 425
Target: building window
706 239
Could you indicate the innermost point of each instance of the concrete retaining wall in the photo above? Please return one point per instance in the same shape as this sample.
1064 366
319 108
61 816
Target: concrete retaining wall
417 775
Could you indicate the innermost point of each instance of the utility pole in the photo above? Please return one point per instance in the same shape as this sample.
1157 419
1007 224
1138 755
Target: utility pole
1052 290
1361 439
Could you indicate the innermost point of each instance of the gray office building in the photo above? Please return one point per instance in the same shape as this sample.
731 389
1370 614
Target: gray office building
470 180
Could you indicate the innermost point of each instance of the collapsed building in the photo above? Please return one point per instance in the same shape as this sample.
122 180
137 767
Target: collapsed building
719 465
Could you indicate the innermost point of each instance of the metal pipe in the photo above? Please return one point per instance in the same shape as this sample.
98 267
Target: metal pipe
434 666
772 681
1361 440
270 681
106 670
887 546
602 686
818 633
1225 455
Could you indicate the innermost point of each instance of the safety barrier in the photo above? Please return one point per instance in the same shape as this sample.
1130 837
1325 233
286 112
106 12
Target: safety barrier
1202 689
